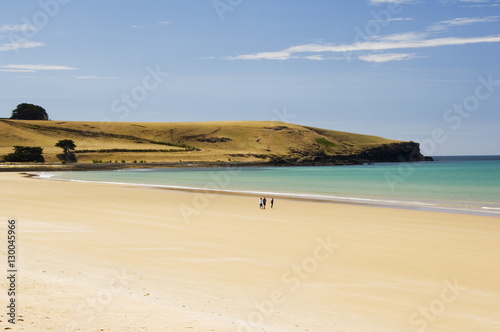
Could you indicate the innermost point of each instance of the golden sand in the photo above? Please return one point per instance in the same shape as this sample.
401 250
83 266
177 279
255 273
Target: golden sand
98 257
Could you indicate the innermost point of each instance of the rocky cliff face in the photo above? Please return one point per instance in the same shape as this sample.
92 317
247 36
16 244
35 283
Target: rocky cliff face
393 152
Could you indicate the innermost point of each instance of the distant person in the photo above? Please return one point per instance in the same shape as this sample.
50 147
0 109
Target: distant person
264 201
272 202
261 203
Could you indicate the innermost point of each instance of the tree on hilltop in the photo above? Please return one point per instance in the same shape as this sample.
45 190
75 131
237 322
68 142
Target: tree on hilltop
68 147
29 112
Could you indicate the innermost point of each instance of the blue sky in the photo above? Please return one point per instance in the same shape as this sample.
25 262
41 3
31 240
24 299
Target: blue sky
425 71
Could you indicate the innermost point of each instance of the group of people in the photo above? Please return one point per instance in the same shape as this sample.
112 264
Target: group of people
263 202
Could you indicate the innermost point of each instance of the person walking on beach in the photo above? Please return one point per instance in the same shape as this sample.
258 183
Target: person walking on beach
272 202
260 202
264 201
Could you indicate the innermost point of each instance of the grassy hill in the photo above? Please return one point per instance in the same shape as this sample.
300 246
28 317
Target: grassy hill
173 142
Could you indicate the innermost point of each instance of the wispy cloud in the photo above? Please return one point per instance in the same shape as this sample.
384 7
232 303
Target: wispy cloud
151 25
394 19
465 1
487 5
386 57
3 70
32 68
17 27
461 21
19 45
314 57
379 43
37 77
394 2
474 3
95 77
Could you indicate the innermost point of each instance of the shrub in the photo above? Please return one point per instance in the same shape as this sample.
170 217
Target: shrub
25 154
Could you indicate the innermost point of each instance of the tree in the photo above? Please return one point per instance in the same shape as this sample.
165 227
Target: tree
25 154
29 112
68 147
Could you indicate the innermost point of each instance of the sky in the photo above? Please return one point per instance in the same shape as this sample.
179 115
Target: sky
415 70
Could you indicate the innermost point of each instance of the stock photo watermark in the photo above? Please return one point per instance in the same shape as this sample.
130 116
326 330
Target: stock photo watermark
94 305
201 200
220 179
37 22
12 267
455 115
381 19
122 106
291 281
454 118
282 115
223 7
426 315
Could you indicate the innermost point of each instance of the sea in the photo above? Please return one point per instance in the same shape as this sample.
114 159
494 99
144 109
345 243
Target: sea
460 184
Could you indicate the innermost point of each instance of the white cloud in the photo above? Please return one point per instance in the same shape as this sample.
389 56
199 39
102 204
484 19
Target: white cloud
95 77
395 19
17 27
401 37
488 5
151 25
16 70
460 21
314 57
394 2
33 68
386 57
19 45
474 3
379 43
37 77
279 55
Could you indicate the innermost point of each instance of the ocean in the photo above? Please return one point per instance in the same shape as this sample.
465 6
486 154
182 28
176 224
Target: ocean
457 184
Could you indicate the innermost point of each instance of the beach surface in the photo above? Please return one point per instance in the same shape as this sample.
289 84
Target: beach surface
102 257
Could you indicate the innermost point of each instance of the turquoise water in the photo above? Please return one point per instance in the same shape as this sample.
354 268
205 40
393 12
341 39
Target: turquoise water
465 184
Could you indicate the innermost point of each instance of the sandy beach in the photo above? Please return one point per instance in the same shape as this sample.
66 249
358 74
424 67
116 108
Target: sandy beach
100 257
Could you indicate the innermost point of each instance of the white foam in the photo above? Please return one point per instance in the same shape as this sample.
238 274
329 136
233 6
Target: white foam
491 209
46 175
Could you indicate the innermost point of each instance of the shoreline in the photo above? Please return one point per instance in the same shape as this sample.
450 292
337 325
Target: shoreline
42 167
77 167
129 258
318 198
184 164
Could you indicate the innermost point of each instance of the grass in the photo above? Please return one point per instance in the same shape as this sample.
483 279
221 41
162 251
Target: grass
191 141
131 150
324 142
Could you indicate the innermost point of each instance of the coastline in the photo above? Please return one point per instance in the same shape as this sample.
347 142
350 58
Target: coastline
33 167
130 258
83 167
216 184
